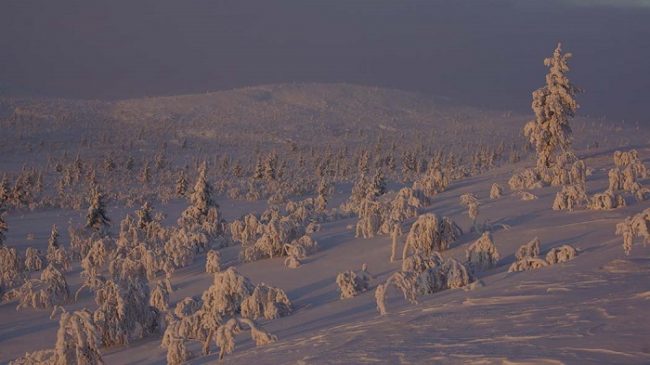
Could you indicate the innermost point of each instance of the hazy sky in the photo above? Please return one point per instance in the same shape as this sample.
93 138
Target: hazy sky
482 52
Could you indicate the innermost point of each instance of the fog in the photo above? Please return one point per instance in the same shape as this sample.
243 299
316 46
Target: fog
480 53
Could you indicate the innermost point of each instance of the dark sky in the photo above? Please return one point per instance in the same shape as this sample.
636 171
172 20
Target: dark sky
484 53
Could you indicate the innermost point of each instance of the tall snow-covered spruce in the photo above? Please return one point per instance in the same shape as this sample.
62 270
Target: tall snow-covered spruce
554 104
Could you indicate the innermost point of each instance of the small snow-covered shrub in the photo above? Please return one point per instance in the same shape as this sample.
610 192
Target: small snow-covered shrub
530 249
527 263
560 254
526 179
482 254
634 226
496 191
267 302
352 283
526 196
606 201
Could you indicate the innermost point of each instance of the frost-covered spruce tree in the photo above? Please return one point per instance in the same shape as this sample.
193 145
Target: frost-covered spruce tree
554 105
527 257
34 260
12 272
352 283
159 298
561 254
44 293
428 233
632 227
3 228
471 202
96 219
606 201
323 191
224 336
378 186
530 249
224 297
395 232
203 212
124 313
570 197
53 241
144 215
405 281
496 191
213 262
482 254
266 302
77 342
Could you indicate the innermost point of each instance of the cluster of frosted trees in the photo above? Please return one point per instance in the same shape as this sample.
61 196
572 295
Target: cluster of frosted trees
424 271
229 304
119 271
277 235
528 257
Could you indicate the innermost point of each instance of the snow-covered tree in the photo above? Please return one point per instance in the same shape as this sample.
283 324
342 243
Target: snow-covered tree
569 197
496 191
77 342
471 202
124 313
429 233
224 297
34 260
3 227
554 105
606 201
44 293
632 227
482 254
144 215
12 272
225 335
181 184
527 263
352 283
432 274
266 302
558 255
213 262
96 218
526 179
530 249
